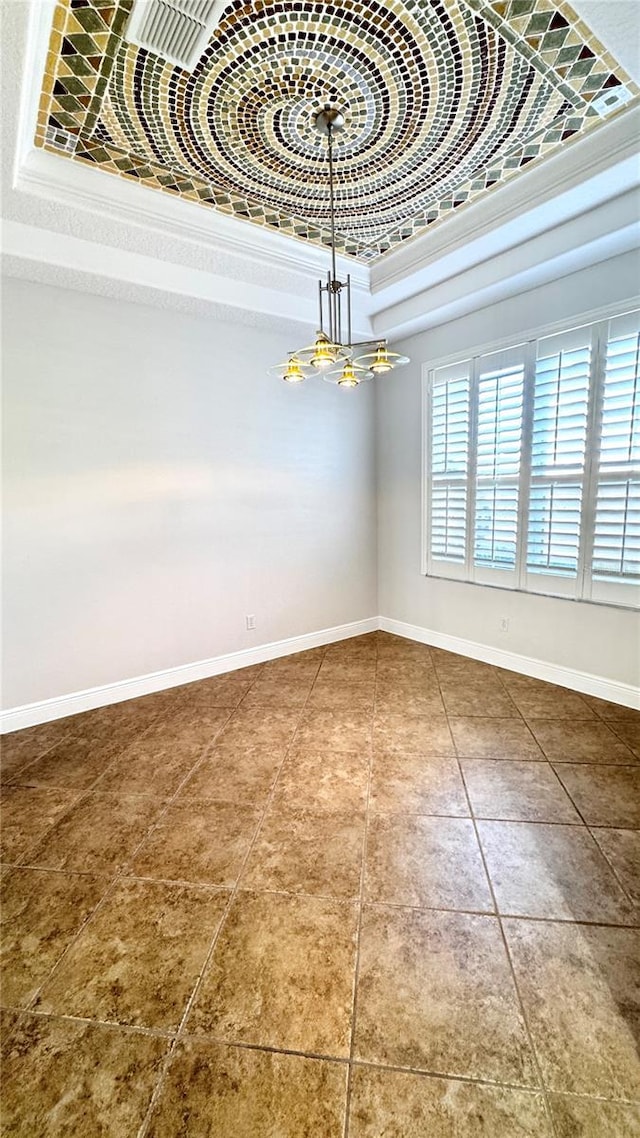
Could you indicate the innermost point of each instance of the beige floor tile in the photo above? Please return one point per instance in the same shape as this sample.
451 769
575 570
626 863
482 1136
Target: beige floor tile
435 993
305 852
453 661
564 741
395 1104
272 692
77 760
580 987
41 913
469 697
518 681
417 784
187 730
242 776
226 690
19 748
520 791
281 975
428 862
156 764
493 738
556 872
258 727
352 670
334 731
26 815
551 703
629 731
323 780
65 1078
409 702
300 664
74 764
202 842
99 834
235 1092
409 674
605 796
138 960
365 644
608 710
412 734
339 695
588 1118
622 850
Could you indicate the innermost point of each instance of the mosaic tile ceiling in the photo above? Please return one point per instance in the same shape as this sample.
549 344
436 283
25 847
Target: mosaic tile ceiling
444 99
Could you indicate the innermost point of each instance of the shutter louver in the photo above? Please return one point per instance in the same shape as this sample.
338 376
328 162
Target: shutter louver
499 434
558 451
533 476
449 467
616 542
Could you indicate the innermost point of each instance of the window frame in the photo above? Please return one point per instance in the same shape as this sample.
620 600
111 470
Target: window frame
582 588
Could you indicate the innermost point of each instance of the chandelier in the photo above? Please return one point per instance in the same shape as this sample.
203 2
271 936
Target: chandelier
334 356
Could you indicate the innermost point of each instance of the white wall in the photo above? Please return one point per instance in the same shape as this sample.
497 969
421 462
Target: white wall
159 485
590 638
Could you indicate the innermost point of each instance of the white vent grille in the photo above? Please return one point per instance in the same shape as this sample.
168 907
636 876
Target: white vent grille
177 30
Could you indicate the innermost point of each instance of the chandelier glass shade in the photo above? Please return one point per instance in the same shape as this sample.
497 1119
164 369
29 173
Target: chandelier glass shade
333 355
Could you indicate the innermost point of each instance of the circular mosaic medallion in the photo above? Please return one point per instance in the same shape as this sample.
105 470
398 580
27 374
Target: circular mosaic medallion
430 93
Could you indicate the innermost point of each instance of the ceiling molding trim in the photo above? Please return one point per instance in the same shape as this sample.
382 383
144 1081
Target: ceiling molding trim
29 243
58 179
552 192
612 229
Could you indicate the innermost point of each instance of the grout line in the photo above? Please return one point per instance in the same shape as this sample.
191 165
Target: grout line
356 971
125 872
11 780
609 862
121 873
523 1013
367 1064
180 1033
525 1020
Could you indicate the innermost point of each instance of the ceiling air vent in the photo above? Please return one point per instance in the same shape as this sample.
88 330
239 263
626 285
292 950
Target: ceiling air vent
177 30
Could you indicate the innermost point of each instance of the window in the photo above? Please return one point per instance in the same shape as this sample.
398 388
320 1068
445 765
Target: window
533 465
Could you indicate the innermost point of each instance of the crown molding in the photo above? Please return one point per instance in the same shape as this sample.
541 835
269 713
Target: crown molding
607 231
90 190
545 224
80 187
28 244
588 172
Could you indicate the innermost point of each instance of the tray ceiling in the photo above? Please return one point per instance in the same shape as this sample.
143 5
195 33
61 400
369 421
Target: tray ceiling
445 100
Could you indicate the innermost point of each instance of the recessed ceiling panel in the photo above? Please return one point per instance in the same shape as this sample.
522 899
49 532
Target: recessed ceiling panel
444 100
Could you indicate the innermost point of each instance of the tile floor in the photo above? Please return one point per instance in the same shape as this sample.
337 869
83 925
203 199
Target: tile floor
369 890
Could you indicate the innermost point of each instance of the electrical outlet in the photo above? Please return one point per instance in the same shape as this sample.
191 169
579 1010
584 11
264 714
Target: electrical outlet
504 624
251 622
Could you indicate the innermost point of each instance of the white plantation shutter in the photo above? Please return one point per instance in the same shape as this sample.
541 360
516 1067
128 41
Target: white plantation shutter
533 465
561 385
615 564
449 468
498 405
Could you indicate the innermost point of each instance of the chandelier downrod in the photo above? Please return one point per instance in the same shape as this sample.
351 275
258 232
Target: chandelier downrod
332 204
333 354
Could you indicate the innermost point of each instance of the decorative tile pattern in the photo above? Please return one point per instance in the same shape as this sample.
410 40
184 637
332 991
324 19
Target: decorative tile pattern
444 100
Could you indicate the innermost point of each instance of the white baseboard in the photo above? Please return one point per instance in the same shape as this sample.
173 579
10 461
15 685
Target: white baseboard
584 682
45 710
